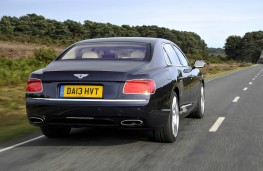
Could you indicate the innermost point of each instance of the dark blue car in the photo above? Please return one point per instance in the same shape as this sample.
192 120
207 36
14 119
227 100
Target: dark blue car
142 83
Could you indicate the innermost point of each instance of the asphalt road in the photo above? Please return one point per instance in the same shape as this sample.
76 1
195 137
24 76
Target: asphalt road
203 144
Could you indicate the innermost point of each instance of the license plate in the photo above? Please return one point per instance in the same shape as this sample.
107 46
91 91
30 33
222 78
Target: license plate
81 91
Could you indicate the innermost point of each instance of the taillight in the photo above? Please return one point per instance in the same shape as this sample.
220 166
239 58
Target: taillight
34 86
139 87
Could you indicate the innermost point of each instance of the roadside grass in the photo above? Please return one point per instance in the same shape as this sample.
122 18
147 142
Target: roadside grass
221 73
10 132
217 70
17 71
13 76
13 122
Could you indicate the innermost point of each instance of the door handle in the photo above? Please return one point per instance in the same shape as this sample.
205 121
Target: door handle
191 76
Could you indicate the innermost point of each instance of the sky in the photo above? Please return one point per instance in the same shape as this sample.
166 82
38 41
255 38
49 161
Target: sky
214 21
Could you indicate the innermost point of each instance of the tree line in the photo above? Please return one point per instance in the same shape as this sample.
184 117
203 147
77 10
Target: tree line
247 48
37 29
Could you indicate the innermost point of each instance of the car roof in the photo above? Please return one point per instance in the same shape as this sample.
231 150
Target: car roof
125 39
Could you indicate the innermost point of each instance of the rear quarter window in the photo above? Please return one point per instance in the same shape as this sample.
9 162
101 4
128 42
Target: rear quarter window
182 57
170 53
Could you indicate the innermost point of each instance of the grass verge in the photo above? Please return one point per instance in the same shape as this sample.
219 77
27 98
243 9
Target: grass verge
222 73
217 70
10 132
13 122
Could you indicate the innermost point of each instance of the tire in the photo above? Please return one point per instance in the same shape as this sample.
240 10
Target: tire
55 131
169 132
200 110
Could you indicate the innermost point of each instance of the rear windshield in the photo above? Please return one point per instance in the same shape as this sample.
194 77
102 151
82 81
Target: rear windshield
108 51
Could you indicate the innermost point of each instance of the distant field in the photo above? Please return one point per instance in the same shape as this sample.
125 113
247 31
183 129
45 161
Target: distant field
216 51
19 49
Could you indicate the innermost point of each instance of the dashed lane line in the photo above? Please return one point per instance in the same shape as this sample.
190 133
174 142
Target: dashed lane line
236 99
245 88
217 124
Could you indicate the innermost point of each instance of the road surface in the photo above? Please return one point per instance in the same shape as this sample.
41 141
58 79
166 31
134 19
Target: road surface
229 137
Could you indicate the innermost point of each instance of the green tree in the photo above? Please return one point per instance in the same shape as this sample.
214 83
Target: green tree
247 48
36 28
128 31
61 31
233 47
77 29
5 25
252 45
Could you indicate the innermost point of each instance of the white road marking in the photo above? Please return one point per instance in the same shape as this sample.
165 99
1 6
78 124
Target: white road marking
250 82
245 88
19 144
217 124
256 76
236 99
253 79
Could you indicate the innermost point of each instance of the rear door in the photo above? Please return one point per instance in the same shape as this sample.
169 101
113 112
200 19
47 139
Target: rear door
184 70
193 75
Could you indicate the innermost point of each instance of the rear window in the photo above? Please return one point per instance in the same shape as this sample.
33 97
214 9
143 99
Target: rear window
107 51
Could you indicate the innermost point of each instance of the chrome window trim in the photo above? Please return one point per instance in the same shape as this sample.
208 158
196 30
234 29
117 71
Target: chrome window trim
174 45
163 51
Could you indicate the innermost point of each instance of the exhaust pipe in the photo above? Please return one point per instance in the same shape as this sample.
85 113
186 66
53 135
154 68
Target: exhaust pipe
131 122
36 120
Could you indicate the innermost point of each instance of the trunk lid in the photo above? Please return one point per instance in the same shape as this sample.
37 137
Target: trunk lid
91 71
108 74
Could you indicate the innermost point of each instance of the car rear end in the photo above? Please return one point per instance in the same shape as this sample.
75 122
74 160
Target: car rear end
96 84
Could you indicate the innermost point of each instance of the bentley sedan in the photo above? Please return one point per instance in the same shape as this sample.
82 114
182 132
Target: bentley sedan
136 83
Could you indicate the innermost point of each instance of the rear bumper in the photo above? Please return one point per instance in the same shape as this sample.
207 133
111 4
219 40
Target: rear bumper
95 112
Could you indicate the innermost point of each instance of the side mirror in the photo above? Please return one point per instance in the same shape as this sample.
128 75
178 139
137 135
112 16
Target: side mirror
199 64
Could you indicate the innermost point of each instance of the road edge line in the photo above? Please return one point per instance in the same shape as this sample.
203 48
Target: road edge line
19 144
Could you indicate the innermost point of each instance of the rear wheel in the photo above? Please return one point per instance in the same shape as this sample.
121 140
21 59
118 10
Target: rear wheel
169 132
199 113
53 131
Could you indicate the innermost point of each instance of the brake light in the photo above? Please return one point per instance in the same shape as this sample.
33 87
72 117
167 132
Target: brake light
34 86
139 87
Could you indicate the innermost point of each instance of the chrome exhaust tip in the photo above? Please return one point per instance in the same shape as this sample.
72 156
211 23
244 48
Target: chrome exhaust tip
36 120
131 122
